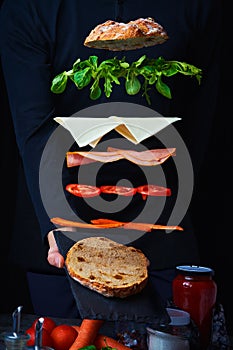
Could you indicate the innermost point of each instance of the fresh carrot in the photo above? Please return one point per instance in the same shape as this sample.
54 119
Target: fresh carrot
87 333
106 223
135 225
102 341
162 227
70 223
77 328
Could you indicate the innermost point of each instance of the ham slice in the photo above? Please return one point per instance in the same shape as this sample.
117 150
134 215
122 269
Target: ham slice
74 158
146 158
106 223
80 158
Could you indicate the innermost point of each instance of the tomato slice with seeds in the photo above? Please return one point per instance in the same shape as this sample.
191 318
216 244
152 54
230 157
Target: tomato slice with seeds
153 190
80 190
120 190
83 190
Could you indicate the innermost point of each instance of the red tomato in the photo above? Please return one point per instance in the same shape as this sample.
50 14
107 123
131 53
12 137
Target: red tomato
153 190
48 323
63 336
46 338
120 190
83 190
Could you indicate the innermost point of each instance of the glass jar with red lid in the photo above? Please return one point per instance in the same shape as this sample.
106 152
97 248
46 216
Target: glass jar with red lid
195 291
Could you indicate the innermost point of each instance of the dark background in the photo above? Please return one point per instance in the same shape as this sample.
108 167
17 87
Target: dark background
211 206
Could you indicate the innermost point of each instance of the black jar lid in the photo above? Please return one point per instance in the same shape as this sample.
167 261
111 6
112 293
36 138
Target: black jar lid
195 270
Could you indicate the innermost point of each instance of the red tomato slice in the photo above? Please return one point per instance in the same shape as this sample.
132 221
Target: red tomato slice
83 190
120 190
153 190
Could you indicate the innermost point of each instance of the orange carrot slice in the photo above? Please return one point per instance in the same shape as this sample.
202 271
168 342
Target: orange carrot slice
136 225
64 222
107 223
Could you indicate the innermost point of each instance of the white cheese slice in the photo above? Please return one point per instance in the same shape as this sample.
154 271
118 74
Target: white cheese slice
89 131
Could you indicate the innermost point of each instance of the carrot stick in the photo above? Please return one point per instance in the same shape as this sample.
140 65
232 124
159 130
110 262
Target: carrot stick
106 223
64 222
102 341
77 328
70 223
135 225
149 227
161 227
87 333
138 226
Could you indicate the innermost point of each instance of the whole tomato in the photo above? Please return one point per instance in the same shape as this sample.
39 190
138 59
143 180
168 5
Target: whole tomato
46 338
48 323
63 336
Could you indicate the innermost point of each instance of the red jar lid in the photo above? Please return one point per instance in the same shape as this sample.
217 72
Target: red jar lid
195 270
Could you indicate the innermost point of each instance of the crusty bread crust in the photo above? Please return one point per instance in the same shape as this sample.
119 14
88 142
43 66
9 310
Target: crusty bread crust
109 268
118 36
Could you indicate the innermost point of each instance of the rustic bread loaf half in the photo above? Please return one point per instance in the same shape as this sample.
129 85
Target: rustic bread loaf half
117 36
111 269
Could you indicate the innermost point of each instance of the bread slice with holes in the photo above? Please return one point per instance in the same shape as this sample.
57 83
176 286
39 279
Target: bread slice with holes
118 36
109 268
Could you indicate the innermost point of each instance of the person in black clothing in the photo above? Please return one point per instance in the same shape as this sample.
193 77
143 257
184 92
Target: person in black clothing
40 40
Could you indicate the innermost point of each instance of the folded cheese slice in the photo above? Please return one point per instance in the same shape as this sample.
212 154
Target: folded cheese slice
89 131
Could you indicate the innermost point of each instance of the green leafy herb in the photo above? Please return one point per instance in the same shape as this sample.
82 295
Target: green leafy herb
93 347
138 75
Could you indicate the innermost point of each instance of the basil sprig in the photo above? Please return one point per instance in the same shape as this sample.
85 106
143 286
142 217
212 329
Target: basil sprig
139 75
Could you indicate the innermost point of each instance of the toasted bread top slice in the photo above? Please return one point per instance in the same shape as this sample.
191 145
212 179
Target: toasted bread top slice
118 36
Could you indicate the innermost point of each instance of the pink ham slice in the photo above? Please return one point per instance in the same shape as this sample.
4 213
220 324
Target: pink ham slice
145 158
74 159
81 158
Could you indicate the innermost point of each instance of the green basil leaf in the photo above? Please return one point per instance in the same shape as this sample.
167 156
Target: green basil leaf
132 85
124 64
114 78
107 87
93 61
59 83
82 78
139 61
163 88
153 79
109 62
95 90
84 64
172 70
76 64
